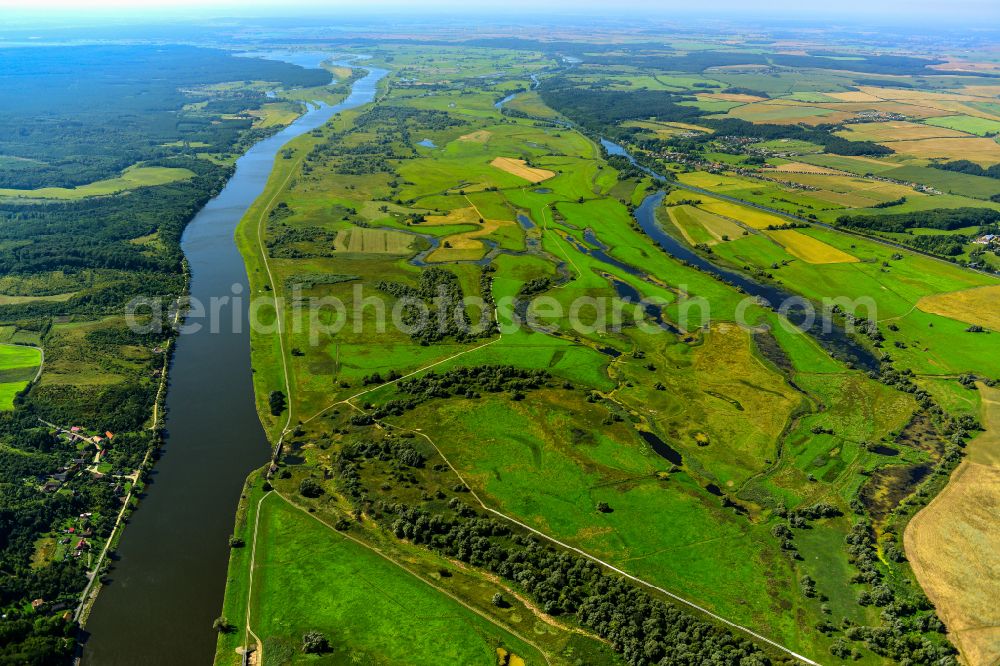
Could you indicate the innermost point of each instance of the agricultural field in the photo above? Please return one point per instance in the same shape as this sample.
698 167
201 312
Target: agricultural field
727 466
130 179
310 577
18 366
952 541
972 306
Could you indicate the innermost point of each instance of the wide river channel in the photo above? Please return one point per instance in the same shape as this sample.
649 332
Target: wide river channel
167 583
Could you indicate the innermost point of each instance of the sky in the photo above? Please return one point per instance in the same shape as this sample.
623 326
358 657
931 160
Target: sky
972 10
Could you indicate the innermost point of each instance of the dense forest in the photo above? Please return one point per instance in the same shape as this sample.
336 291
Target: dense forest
70 126
71 116
945 219
600 110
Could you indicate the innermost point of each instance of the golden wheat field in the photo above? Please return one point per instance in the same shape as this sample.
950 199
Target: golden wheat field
972 306
980 150
521 169
898 131
810 250
952 544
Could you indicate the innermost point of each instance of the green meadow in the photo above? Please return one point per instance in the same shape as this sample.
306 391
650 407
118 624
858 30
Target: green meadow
18 366
672 449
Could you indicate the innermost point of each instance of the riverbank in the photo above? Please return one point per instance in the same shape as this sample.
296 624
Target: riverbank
161 587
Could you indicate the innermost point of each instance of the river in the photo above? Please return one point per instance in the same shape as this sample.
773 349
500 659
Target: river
829 335
168 580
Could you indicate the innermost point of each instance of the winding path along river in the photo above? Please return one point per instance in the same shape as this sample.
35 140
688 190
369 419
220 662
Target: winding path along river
167 585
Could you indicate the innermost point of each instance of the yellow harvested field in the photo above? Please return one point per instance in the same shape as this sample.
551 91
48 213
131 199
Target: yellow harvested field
810 250
854 96
962 108
972 306
341 72
466 245
373 241
658 128
952 545
733 97
847 189
521 169
988 92
783 111
912 110
802 167
467 215
914 95
685 217
479 136
980 150
898 131
952 65
687 126
751 217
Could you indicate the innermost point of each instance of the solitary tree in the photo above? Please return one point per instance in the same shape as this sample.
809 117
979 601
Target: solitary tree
313 642
309 488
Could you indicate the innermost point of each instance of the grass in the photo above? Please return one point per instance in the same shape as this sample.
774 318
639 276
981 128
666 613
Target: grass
967 124
688 221
741 418
130 179
311 578
972 306
18 366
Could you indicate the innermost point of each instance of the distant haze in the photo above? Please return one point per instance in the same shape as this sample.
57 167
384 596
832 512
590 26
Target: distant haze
983 13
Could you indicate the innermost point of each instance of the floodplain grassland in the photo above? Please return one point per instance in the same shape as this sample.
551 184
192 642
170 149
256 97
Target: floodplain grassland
307 576
678 456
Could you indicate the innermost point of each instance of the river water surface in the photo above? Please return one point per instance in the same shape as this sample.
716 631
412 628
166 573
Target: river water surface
167 584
